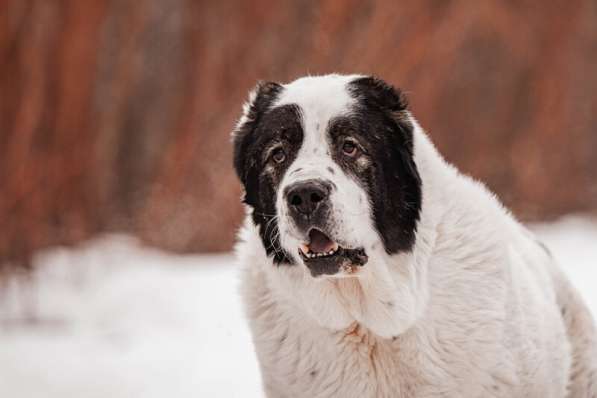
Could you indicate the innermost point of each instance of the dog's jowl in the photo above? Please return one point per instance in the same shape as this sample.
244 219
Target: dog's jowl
373 268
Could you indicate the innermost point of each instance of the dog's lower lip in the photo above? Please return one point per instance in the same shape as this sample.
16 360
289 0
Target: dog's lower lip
324 256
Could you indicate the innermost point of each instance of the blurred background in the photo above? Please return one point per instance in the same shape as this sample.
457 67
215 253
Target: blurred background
115 115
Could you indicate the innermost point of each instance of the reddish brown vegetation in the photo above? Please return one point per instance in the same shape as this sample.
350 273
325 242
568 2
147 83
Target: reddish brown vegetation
115 115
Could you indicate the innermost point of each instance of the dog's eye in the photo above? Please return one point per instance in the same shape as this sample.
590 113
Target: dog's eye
278 155
349 148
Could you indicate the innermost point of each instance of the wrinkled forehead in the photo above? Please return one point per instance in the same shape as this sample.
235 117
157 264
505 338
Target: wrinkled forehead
320 99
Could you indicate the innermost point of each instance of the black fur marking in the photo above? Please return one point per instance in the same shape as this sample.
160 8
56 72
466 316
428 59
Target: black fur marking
385 165
331 170
260 176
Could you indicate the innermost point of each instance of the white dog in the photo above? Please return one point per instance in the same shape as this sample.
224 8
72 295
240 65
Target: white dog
372 268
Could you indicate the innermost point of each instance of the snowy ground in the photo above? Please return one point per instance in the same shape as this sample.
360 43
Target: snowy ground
114 319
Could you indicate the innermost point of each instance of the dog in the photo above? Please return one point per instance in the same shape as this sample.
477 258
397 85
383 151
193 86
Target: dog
372 268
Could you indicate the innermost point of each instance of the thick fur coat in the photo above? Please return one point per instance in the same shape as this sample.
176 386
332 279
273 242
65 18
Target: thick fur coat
454 297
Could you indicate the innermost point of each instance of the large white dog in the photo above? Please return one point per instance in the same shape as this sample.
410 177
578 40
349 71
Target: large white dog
373 268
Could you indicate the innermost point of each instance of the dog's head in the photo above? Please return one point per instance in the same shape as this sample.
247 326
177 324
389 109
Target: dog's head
328 171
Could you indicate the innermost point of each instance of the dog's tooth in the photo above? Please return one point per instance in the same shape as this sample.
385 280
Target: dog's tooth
304 248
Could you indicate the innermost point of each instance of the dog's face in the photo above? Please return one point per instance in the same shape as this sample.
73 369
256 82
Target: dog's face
328 171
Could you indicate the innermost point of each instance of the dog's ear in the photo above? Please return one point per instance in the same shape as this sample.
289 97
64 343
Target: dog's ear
382 94
260 99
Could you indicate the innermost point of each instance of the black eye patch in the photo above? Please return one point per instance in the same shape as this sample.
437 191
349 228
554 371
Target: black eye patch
276 129
349 129
390 176
280 129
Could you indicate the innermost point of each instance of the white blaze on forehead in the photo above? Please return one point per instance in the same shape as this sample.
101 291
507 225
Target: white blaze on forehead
327 94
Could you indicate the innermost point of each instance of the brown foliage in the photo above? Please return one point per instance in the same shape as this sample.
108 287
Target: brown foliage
115 115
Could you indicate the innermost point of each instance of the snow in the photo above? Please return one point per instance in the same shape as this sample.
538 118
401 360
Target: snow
120 320
112 318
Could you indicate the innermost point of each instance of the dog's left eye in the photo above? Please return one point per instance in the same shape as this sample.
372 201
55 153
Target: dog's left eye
349 148
278 155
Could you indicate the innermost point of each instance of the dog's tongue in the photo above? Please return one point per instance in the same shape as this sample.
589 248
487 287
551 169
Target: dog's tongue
320 243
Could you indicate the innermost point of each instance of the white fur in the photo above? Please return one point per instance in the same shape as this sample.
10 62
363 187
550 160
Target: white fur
351 212
475 310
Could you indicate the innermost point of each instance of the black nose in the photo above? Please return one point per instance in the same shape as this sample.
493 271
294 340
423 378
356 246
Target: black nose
306 197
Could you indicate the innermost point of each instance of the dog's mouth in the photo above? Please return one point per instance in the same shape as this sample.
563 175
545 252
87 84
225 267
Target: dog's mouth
323 256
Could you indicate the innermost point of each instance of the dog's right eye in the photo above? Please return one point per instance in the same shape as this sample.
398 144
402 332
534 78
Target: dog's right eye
349 148
278 155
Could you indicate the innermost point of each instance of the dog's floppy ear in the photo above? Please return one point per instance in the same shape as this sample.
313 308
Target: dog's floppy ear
260 99
382 95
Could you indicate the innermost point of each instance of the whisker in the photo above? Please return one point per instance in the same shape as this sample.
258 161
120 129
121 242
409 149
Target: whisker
265 214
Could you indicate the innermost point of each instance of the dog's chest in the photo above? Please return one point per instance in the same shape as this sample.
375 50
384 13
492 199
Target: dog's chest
351 363
306 361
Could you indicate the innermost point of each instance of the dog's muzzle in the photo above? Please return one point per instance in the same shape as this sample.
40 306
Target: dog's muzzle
310 208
